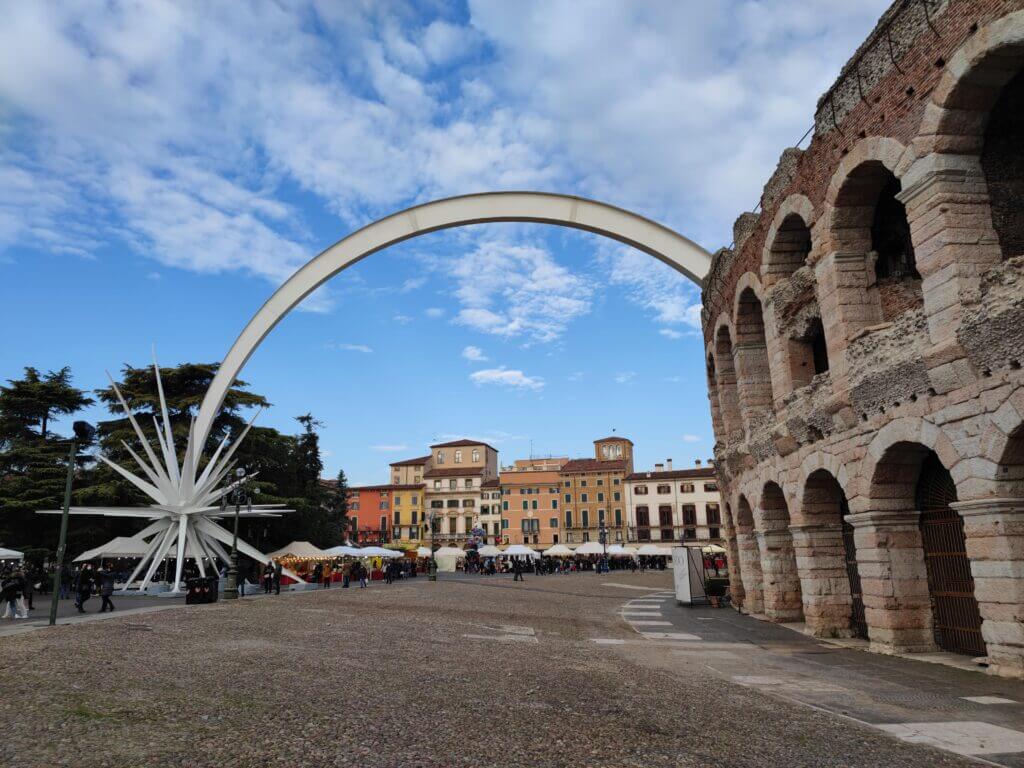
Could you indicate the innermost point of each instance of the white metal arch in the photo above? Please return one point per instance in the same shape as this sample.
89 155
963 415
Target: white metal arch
659 241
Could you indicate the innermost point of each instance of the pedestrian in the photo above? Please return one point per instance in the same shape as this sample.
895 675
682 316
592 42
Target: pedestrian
346 572
517 570
29 587
105 577
65 584
268 578
363 574
11 592
83 587
277 578
326 575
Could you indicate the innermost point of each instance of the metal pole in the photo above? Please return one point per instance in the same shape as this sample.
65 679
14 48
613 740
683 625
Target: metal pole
231 587
62 542
433 563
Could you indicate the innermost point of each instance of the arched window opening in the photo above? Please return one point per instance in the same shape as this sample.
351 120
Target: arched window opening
890 236
716 413
1002 160
808 352
753 371
789 248
728 394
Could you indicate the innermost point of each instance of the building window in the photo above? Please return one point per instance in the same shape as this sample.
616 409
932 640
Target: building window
714 533
383 523
468 503
453 503
640 490
553 522
710 487
469 482
504 523
663 489
568 519
453 484
436 504
534 504
476 456
643 523
437 485
554 538
354 506
689 514
552 489
714 515
440 457
600 517
600 481
617 496
384 504
586 536
690 534
504 505
526 504
468 522
586 518
615 481
583 497
686 488
458 457
554 503
568 498
618 517
398 501
600 497
567 483
569 538
414 517
583 483
398 518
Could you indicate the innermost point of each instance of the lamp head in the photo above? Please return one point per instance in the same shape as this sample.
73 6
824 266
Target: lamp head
240 472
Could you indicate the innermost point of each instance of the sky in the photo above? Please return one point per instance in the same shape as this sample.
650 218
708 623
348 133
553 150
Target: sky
164 166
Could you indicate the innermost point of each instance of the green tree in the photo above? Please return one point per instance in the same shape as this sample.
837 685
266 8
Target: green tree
336 504
33 460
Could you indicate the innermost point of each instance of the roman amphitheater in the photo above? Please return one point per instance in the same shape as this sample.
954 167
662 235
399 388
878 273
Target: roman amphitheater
864 339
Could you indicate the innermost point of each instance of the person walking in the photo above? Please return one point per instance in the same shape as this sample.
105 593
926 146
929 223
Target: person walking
362 575
11 593
346 572
277 578
517 570
105 577
83 587
28 590
326 576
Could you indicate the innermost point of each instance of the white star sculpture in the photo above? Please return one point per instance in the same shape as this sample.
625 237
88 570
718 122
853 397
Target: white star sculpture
187 501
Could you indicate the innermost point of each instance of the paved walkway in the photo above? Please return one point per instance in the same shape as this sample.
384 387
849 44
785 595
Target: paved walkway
966 712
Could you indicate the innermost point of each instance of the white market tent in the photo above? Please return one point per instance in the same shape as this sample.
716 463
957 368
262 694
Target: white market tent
299 549
120 546
653 550
519 550
379 552
590 548
11 554
489 550
713 549
343 550
449 552
558 550
423 552
629 551
617 550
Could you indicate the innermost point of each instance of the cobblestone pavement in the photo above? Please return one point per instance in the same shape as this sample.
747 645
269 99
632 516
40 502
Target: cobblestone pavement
463 672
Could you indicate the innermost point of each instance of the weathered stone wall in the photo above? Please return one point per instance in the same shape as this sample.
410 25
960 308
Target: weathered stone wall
916 365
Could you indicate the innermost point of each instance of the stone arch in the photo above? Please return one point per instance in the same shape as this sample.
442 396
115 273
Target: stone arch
826 554
869 233
750 352
711 369
618 224
915 542
732 551
911 430
749 557
1002 461
788 242
819 461
726 381
783 600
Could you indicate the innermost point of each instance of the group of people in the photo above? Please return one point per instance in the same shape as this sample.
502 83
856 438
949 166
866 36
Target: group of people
348 571
19 582
89 581
16 590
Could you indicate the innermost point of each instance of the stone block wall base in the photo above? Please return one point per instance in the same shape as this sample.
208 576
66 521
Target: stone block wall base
1012 668
783 616
894 649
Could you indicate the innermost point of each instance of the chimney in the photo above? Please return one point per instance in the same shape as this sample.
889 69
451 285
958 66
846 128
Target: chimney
711 462
697 463
659 467
668 462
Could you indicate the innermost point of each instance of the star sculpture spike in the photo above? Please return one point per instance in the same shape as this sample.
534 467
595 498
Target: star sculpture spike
185 501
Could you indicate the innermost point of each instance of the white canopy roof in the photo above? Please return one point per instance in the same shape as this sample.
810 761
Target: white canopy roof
11 554
299 549
559 550
654 550
120 546
617 550
449 552
520 550
628 550
488 550
379 552
713 549
343 550
423 552
590 548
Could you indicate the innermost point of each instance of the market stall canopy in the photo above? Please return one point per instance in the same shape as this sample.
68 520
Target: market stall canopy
518 550
559 550
11 554
299 550
120 546
629 551
423 552
590 548
488 550
379 552
713 549
653 550
343 550
617 550
449 552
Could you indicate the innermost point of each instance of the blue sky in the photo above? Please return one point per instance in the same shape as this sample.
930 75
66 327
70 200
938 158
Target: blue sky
163 166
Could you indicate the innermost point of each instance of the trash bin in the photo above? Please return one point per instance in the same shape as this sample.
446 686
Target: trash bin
201 589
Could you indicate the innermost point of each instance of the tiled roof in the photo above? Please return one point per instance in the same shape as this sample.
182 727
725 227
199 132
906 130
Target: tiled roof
594 465
463 444
387 488
614 439
454 472
703 473
411 462
492 483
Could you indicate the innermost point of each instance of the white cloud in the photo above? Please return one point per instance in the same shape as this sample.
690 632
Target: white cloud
474 354
691 438
346 347
514 291
575 376
402 319
433 312
667 296
624 377
412 284
389 448
506 377
670 333
154 276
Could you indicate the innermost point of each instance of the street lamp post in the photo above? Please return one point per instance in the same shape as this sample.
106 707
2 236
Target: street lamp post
603 536
240 494
83 434
432 576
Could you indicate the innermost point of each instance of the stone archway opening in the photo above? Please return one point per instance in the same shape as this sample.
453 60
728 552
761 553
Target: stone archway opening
830 577
916 535
728 385
783 597
749 556
789 249
1002 160
751 356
